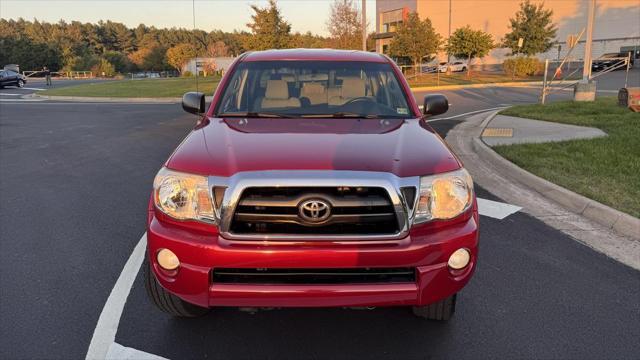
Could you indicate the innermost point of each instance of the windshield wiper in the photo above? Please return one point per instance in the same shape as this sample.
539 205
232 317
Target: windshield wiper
252 114
342 114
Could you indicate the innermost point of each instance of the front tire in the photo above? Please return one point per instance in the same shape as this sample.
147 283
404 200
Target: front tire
20 83
165 300
441 311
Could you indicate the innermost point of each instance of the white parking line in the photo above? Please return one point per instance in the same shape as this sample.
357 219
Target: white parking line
104 334
103 345
467 113
495 209
5 94
36 89
119 352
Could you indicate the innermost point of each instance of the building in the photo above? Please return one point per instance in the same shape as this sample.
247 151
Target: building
221 64
616 27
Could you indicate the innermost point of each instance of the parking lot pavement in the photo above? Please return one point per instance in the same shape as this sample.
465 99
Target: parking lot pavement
35 85
74 184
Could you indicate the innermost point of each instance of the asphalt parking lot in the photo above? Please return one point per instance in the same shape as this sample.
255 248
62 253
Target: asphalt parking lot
74 185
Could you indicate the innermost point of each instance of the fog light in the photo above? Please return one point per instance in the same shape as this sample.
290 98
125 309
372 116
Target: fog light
459 259
168 260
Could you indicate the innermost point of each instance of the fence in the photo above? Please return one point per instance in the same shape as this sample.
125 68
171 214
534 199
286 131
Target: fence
559 81
62 74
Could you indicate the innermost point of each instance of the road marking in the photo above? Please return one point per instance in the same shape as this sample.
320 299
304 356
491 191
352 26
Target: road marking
36 89
495 209
5 94
119 352
17 101
103 345
467 113
67 103
104 334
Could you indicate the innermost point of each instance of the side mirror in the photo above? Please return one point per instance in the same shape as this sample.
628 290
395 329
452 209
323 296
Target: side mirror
435 104
193 102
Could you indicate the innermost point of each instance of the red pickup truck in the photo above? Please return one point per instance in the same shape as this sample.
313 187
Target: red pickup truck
312 180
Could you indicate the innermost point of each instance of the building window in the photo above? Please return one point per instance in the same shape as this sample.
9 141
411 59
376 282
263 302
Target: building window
390 20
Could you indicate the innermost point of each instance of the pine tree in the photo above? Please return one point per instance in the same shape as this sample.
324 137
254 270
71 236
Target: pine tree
269 29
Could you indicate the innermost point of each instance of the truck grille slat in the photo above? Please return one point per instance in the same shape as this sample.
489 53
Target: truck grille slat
352 210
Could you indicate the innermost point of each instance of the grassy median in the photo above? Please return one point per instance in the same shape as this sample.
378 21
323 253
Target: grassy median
604 169
147 88
461 78
176 87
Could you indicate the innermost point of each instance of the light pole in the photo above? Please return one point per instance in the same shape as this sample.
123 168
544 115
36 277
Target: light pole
586 71
364 25
585 90
449 36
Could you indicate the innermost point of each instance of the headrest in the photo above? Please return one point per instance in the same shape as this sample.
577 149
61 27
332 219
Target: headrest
313 88
353 88
277 89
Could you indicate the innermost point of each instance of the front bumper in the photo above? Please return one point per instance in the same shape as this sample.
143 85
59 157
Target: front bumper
426 248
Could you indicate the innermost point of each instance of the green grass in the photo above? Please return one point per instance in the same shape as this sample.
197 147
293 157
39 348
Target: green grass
463 79
171 87
176 87
604 169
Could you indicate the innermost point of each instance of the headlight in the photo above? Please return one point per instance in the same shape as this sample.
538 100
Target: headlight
183 196
444 196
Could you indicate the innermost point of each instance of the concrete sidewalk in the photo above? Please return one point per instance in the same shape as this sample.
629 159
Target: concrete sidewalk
508 130
583 219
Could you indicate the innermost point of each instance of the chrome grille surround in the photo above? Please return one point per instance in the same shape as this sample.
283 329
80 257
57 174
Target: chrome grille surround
237 183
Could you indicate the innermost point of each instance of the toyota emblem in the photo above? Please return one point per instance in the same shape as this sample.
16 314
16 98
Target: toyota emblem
314 211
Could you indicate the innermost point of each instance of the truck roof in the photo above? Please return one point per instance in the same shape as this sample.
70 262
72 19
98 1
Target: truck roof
314 54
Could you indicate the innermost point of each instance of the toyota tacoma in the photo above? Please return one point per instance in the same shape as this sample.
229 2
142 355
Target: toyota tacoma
311 180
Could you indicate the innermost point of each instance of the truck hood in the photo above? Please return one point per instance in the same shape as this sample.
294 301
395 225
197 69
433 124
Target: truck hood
223 147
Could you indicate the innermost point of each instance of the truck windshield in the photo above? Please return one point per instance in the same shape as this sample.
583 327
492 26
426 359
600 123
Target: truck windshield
313 89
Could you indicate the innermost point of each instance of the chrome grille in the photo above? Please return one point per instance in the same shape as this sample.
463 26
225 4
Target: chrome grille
352 211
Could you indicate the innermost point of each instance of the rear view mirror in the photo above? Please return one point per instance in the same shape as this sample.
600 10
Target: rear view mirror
193 102
435 104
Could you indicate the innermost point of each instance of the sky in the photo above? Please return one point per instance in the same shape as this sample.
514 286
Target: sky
227 15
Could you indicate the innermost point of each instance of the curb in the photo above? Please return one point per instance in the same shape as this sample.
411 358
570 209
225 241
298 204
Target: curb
474 86
604 215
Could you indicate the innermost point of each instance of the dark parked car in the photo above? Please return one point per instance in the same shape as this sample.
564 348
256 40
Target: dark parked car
11 78
610 60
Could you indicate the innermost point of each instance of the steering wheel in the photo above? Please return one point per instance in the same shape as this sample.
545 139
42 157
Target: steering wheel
359 100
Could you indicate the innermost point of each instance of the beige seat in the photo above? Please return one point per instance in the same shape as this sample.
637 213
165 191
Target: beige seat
351 88
277 96
315 92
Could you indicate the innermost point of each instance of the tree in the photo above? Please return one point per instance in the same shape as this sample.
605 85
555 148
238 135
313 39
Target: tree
103 68
468 43
308 40
209 66
119 61
218 49
149 58
345 25
534 25
415 39
269 29
179 55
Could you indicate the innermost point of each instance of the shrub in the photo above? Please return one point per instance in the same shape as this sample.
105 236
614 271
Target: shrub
186 74
524 66
103 68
